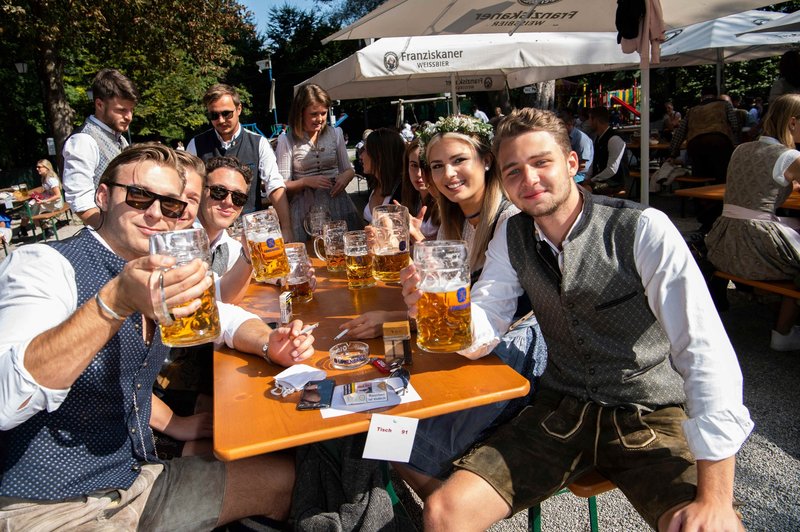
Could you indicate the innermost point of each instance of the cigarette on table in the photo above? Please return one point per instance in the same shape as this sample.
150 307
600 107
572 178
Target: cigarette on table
309 329
341 334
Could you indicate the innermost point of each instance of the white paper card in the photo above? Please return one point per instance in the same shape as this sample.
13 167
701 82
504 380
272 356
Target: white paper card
390 438
340 408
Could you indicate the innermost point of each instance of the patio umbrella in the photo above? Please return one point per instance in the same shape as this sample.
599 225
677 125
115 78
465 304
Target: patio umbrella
790 22
397 18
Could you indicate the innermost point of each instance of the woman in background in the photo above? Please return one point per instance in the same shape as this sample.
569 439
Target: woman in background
416 195
383 159
50 200
312 158
749 240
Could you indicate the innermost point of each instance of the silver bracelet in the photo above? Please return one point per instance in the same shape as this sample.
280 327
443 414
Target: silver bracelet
265 354
108 311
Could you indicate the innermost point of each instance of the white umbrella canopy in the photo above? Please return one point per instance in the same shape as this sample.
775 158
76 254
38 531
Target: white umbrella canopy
402 18
400 66
790 22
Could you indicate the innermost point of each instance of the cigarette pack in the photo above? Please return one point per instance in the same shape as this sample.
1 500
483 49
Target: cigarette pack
286 307
358 393
395 336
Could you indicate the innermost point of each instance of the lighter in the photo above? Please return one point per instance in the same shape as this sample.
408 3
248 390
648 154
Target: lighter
397 341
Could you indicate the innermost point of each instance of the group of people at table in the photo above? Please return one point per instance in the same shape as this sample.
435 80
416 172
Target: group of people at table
633 373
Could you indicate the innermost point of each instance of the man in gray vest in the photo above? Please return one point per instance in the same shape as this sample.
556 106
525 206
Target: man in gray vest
632 337
91 147
79 358
227 137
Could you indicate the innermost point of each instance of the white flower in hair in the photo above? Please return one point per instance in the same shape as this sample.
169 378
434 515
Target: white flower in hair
466 125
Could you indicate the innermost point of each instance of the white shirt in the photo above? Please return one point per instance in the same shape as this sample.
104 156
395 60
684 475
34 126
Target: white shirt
480 115
81 157
39 293
616 149
270 179
701 353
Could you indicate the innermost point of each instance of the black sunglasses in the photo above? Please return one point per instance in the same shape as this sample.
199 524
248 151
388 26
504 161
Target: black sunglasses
219 193
214 116
140 198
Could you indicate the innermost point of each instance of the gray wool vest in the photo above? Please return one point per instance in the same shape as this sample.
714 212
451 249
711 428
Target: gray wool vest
244 148
107 143
604 343
100 435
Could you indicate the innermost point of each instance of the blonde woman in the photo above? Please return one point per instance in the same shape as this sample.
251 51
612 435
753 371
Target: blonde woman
50 200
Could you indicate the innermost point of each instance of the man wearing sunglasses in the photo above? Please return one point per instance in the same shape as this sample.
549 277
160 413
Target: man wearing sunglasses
78 360
228 138
94 144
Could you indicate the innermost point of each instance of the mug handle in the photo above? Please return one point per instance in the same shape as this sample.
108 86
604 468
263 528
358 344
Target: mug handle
317 252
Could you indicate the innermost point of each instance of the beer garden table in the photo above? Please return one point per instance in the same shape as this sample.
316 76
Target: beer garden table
717 192
249 420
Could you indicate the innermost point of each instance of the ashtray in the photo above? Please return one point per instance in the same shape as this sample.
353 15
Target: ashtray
349 355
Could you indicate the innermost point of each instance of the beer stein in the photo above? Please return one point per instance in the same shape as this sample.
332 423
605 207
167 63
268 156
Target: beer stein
444 322
315 221
358 260
267 250
330 247
203 325
389 241
299 278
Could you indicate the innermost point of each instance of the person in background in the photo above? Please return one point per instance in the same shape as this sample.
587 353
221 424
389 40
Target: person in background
94 144
419 196
51 199
609 168
670 121
313 159
748 240
631 334
406 132
383 160
581 144
480 115
788 80
498 116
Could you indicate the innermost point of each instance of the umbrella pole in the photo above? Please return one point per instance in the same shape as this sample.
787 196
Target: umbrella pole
645 119
453 94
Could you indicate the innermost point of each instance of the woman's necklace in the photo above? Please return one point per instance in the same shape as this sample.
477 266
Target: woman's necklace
472 216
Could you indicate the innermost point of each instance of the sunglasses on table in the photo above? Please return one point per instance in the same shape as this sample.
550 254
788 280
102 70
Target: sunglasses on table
214 116
219 193
141 198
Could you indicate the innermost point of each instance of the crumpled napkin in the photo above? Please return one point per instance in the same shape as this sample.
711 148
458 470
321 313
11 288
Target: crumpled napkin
293 378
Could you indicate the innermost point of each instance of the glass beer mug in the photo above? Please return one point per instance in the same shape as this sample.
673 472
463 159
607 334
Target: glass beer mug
202 326
444 321
267 250
315 220
358 260
299 278
390 241
332 245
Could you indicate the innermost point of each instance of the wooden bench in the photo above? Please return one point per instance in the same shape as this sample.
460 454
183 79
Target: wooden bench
45 218
782 288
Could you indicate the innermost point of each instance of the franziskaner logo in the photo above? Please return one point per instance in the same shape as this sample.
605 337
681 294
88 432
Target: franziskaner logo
390 61
487 83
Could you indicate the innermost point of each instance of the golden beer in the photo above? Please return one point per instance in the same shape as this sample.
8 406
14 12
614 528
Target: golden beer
269 259
335 262
359 271
301 292
387 266
444 323
198 328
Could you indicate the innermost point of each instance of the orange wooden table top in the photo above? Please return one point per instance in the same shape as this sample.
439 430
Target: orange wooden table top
717 192
249 420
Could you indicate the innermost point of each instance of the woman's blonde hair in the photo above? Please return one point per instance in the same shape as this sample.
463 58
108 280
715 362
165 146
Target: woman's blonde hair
47 164
308 94
453 218
776 123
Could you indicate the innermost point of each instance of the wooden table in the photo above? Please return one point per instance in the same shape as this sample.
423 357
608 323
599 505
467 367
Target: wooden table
717 192
249 420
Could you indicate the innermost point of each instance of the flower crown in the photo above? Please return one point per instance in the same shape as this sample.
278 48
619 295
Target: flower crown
466 125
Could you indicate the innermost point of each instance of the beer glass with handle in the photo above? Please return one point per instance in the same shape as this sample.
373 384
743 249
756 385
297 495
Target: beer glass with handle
444 322
267 249
299 278
202 326
358 260
332 245
390 225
